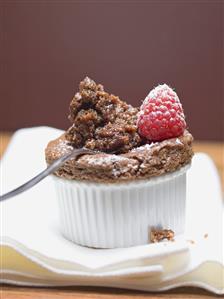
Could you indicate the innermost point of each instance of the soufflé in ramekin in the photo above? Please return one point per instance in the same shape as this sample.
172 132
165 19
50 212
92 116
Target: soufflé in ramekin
133 190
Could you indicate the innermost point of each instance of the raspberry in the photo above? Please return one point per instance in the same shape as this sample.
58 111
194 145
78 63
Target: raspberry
161 115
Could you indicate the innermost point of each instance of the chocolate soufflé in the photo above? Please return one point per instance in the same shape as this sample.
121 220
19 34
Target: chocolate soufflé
105 123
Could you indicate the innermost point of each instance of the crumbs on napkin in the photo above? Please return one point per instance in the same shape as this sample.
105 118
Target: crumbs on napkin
158 235
191 241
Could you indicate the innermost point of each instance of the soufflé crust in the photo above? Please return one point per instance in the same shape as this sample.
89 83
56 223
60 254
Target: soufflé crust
103 122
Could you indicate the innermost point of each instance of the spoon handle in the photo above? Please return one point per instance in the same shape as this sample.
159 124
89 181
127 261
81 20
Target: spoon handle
50 169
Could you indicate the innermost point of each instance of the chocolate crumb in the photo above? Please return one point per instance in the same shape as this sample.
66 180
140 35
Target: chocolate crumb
205 236
191 241
157 235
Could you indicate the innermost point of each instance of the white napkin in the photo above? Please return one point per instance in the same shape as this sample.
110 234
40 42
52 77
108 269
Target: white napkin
35 253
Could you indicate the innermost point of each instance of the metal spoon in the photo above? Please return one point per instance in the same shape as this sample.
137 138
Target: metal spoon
50 169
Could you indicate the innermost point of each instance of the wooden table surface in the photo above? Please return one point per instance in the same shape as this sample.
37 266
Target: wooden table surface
216 151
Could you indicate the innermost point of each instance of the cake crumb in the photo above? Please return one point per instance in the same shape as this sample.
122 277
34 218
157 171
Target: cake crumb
158 235
191 241
206 236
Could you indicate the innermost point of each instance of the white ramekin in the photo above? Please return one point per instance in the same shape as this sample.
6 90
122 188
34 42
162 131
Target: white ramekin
123 214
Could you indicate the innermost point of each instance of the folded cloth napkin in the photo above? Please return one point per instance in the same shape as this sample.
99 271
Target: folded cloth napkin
35 253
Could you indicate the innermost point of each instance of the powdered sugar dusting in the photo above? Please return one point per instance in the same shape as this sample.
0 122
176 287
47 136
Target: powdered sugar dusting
110 161
160 90
63 147
178 141
117 172
78 96
105 160
144 147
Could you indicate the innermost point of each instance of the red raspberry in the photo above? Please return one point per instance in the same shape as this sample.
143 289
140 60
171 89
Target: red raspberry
161 115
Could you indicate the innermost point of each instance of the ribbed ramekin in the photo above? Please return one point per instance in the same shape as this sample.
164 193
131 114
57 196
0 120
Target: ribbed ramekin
122 214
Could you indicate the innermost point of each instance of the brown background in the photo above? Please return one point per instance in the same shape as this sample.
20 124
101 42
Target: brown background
47 47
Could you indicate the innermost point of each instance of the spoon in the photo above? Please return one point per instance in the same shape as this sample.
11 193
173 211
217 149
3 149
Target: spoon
50 169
